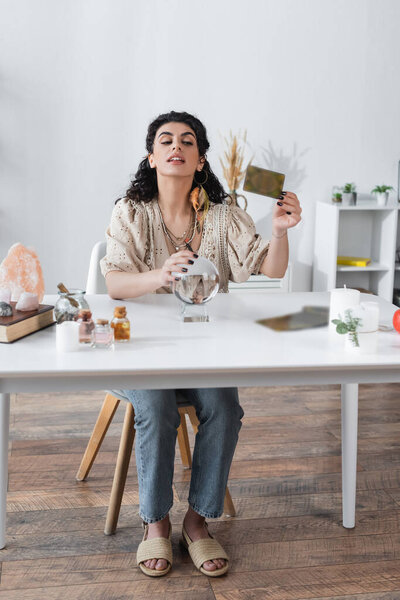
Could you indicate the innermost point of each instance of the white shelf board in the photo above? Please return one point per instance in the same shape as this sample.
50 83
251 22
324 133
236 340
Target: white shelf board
366 205
373 266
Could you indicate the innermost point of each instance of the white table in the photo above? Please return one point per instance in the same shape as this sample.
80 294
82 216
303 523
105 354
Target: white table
230 350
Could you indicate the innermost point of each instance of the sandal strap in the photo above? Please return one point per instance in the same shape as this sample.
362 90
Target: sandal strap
206 549
154 548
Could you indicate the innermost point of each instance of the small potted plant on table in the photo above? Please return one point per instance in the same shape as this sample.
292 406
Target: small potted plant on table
349 194
382 194
349 325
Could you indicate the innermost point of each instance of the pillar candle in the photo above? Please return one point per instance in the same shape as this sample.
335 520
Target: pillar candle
67 336
368 312
341 298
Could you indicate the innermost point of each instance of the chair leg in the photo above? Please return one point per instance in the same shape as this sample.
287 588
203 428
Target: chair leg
183 440
104 419
229 507
121 470
191 411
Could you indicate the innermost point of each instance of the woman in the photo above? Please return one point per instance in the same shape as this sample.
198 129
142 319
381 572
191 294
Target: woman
175 203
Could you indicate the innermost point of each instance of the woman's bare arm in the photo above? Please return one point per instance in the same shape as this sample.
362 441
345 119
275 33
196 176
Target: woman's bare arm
287 213
131 285
121 284
275 263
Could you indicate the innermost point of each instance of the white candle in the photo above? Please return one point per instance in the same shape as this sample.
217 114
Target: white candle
341 298
368 312
67 336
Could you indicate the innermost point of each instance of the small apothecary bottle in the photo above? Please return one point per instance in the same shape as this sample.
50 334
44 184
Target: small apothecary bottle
86 326
121 325
102 335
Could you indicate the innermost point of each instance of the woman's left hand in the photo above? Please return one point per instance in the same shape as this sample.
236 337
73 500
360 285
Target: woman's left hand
287 212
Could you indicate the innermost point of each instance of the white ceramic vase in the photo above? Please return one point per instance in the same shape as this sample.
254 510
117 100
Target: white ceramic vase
382 198
349 198
367 343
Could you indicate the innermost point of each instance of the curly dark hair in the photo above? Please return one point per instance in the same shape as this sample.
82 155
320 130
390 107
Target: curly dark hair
144 186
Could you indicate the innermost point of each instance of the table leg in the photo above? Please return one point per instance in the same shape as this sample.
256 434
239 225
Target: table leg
4 430
349 452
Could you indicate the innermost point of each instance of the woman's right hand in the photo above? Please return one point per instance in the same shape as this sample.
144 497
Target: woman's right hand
172 264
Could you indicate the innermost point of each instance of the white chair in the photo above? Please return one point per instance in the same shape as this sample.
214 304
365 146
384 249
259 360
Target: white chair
96 285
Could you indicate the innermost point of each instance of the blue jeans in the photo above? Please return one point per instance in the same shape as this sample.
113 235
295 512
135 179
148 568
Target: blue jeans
156 422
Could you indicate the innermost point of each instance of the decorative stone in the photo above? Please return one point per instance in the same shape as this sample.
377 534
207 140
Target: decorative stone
5 309
27 301
5 295
20 271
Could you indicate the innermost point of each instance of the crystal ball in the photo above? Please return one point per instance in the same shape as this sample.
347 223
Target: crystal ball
199 284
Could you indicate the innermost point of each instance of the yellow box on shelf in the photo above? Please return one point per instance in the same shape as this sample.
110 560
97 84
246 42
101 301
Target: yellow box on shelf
353 261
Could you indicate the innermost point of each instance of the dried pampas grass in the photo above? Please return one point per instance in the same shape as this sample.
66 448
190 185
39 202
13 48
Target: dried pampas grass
234 156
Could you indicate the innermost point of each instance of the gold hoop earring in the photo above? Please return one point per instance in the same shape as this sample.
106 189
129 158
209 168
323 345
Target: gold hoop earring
203 182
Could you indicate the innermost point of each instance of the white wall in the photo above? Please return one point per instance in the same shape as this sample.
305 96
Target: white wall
315 82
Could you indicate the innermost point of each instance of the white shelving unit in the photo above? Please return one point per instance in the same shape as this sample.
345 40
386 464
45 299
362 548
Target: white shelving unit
364 229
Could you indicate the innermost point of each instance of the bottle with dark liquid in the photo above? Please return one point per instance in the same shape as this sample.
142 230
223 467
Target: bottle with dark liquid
121 325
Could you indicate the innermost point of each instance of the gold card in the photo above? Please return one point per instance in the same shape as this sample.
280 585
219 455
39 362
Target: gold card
263 181
308 317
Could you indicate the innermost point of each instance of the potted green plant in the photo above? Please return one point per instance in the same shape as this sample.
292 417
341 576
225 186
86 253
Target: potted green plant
349 325
336 194
382 194
349 194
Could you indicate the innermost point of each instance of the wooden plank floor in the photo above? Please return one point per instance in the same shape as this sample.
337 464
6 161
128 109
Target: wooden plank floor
286 542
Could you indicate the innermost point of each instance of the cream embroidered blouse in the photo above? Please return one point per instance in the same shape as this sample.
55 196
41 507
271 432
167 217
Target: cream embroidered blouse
136 241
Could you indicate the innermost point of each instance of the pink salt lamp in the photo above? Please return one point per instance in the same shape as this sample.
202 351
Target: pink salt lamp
20 271
5 295
27 301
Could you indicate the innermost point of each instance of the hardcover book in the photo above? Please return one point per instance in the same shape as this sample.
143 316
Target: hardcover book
22 323
353 261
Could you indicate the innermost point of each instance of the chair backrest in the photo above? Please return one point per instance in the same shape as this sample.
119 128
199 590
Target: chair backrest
95 281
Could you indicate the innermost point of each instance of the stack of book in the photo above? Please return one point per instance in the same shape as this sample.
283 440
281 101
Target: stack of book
22 323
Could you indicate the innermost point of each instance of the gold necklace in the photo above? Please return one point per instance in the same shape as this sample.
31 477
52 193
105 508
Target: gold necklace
177 237
167 235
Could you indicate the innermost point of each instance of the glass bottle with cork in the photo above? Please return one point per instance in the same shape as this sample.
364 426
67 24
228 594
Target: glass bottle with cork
69 303
86 326
102 335
121 325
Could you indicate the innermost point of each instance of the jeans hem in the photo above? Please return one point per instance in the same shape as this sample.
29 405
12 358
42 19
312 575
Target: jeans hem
204 513
154 520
